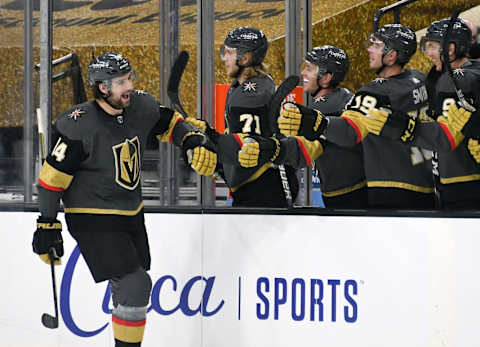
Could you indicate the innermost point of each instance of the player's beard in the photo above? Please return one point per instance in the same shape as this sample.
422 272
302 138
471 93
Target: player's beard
119 102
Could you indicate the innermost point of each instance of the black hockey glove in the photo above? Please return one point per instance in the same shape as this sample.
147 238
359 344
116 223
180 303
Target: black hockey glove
199 153
205 127
299 120
396 126
48 236
257 150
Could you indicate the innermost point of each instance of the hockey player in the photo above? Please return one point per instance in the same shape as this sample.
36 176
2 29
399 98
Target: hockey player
458 157
474 51
398 176
94 168
246 109
340 169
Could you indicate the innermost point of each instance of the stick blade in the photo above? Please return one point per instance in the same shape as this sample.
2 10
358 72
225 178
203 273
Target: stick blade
49 321
174 79
177 71
281 93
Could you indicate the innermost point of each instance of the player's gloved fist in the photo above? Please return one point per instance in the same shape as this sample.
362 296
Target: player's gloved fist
474 149
257 150
395 126
464 121
199 153
457 118
205 127
299 120
48 236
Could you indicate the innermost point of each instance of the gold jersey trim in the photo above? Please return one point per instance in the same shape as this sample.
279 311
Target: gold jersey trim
460 179
401 185
167 135
54 178
345 190
104 210
252 178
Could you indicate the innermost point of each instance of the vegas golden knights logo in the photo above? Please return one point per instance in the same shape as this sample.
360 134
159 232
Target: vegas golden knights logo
127 163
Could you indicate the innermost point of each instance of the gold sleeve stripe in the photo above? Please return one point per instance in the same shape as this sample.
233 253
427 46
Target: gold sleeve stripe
53 179
453 138
167 135
355 120
401 185
311 150
252 178
104 210
345 190
126 331
460 179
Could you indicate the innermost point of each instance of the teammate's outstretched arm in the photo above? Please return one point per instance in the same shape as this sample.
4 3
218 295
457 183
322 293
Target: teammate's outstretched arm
443 135
346 130
295 151
198 149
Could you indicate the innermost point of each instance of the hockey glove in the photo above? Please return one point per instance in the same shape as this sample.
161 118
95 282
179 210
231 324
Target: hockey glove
48 236
299 120
205 127
199 153
395 126
461 120
457 118
474 149
257 150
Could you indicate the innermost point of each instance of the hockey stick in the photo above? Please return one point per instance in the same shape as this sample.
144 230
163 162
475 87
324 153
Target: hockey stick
48 320
173 83
446 59
273 112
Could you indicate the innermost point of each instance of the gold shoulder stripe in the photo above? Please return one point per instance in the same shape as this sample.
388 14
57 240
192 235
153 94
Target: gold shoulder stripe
167 135
54 178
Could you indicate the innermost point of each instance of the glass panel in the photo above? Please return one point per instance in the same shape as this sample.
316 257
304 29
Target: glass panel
11 101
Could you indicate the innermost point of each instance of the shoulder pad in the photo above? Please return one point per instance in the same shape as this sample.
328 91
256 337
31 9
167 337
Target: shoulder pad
141 92
72 121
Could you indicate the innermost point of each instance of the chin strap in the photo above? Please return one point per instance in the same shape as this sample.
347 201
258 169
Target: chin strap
318 89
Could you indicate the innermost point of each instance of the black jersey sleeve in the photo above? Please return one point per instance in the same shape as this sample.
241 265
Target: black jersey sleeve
436 136
61 163
171 126
300 152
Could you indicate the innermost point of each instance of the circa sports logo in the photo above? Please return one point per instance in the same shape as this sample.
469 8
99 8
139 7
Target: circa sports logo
184 302
127 163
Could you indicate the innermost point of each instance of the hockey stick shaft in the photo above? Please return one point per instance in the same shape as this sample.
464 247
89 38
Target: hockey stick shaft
446 58
50 321
273 111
